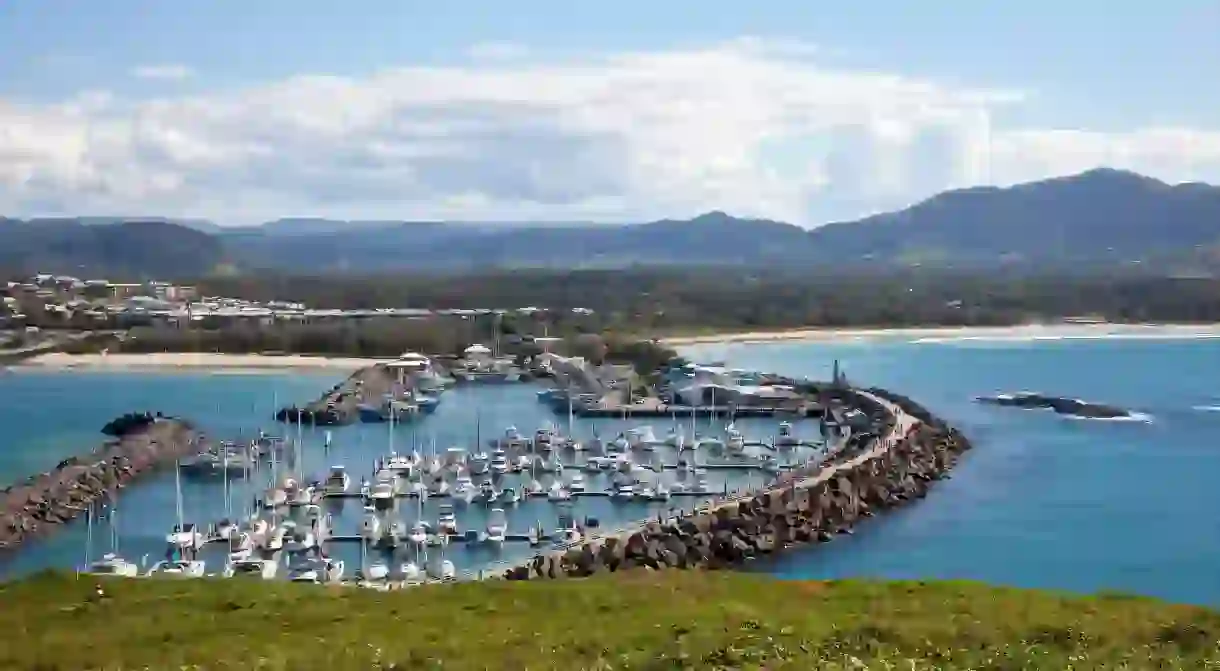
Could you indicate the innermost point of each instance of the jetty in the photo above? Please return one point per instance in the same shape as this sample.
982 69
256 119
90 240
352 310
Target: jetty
42 502
341 403
909 450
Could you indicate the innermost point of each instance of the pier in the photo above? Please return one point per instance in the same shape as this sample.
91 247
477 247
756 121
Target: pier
44 501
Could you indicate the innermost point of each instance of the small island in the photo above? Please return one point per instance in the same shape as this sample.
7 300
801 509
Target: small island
1060 404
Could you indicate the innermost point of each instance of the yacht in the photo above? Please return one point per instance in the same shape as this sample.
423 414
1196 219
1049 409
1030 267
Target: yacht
418 534
382 493
370 526
577 483
254 568
399 464
185 537
319 570
524 462
337 481
734 441
112 564
510 496
557 492
177 568
446 521
660 492
377 570
497 526
411 574
499 462
624 491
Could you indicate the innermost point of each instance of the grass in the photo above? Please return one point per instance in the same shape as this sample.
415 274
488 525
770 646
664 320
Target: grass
637 620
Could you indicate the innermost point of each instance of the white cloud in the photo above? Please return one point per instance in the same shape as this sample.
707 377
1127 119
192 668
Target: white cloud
751 127
171 71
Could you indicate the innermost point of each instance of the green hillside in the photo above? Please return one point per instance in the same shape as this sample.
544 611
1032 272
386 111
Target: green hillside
638 620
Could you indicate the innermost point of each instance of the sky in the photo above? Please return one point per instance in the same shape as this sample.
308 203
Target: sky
241 112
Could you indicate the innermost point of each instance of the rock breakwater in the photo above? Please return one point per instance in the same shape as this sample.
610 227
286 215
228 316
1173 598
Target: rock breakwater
42 502
911 450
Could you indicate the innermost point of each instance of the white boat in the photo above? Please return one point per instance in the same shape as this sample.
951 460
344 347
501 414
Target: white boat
625 491
734 441
510 496
525 462
701 485
641 438
377 570
302 496
177 568
497 526
254 568
399 464
112 564
447 570
557 492
337 481
499 462
370 526
185 537
487 492
411 574
660 492
577 483
418 534
382 493
446 520
317 571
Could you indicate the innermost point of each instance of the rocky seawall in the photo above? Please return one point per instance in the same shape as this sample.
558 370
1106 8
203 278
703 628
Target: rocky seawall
341 403
910 450
42 502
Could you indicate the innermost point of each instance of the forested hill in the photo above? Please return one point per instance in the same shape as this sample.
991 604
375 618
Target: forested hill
1102 218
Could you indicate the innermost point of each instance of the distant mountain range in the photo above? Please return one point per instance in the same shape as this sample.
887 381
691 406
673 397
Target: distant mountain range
1102 217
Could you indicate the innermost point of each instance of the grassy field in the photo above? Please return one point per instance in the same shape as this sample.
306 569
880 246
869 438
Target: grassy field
639 620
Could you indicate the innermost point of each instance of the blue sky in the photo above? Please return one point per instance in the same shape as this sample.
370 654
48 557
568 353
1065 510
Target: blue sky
1066 85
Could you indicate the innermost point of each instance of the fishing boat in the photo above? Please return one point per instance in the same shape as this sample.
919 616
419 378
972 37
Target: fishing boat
497 526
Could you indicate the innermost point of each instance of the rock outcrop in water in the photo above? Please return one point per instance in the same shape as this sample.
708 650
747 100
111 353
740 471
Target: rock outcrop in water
1061 405
914 449
44 501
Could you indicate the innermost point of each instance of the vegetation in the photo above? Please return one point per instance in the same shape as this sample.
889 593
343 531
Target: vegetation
637 620
1102 219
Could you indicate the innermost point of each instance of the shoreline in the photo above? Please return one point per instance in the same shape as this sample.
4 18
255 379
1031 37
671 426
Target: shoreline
934 334
231 364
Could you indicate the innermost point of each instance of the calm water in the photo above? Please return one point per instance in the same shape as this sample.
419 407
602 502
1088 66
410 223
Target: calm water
50 415
1044 501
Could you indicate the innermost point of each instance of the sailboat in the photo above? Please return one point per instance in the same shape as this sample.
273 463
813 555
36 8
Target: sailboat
110 563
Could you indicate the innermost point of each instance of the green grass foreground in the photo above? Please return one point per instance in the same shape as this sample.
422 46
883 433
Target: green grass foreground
640 620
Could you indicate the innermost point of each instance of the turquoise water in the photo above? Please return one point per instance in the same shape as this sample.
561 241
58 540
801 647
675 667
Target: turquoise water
50 415
1044 501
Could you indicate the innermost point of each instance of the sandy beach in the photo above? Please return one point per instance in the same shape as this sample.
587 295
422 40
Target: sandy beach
950 334
192 361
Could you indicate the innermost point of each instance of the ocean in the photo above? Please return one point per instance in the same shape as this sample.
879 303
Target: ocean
1043 501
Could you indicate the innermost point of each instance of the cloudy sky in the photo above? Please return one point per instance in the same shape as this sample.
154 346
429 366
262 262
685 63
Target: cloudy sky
243 111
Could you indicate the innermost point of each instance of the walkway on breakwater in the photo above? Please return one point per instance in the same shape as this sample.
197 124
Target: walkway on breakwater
341 403
40 503
891 468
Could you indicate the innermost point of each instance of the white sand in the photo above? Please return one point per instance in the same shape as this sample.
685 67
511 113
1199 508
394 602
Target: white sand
203 362
950 334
